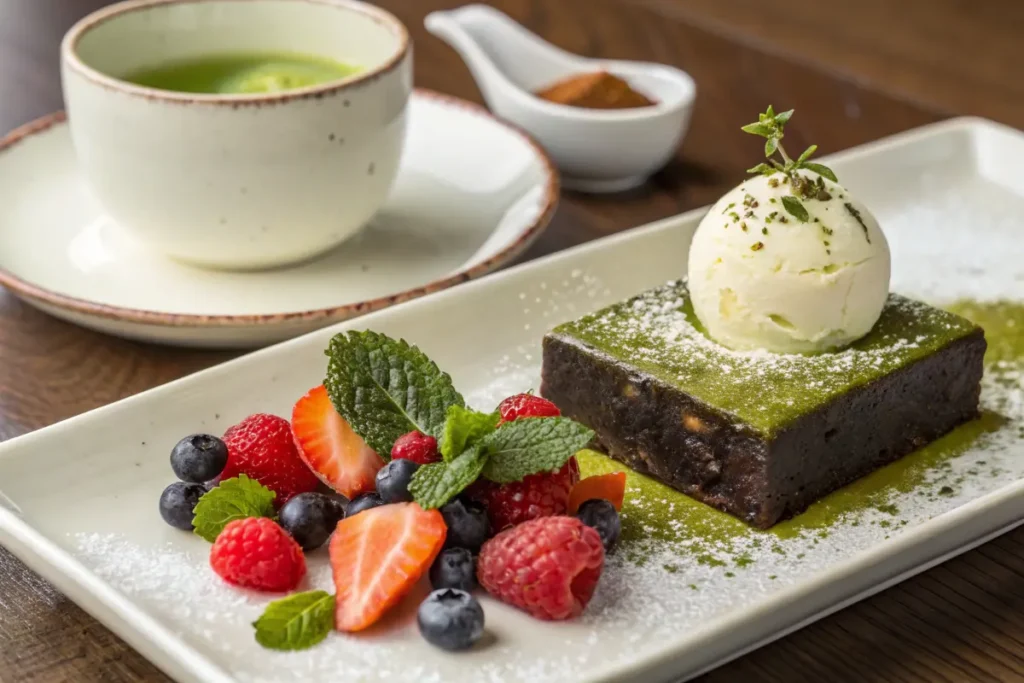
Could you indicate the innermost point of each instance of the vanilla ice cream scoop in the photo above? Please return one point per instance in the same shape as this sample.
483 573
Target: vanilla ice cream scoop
762 278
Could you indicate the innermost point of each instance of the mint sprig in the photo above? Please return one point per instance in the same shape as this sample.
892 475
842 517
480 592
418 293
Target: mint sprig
232 499
297 622
771 126
434 485
385 388
464 427
509 453
527 446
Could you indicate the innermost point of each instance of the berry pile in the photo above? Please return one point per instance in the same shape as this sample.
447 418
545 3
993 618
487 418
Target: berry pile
467 505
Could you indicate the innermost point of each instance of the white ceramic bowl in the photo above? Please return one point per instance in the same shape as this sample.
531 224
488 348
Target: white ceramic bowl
238 181
596 150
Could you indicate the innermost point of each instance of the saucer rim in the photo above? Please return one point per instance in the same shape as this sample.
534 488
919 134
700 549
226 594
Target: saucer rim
552 185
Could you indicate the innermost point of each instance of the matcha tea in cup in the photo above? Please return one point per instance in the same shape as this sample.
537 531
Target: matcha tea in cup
245 73
235 134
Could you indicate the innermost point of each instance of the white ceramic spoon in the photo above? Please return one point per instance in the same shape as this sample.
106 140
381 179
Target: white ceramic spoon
597 150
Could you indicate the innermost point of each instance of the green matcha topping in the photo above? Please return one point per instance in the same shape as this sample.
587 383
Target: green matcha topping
658 333
656 516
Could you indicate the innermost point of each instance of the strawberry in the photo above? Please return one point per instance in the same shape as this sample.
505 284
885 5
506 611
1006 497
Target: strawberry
261 447
610 487
326 442
377 556
526 405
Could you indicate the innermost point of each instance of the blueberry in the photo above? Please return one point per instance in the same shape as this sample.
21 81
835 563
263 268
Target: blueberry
603 516
177 503
338 503
451 619
393 480
310 518
454 568
198 458
363 502
467 524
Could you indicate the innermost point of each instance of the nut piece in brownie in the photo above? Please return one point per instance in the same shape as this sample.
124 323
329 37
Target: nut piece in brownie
756 434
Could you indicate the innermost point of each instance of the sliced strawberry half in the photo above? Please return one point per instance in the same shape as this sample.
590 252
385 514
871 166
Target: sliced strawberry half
610 487
329 446
377 556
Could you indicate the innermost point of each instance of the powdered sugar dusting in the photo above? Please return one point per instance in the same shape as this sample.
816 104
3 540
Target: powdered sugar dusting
680 565
956 240
656 333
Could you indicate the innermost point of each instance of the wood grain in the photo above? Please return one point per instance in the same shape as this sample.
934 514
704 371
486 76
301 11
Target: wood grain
953 55
960 621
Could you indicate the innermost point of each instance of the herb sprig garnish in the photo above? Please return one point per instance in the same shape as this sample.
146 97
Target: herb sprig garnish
771 126
385 387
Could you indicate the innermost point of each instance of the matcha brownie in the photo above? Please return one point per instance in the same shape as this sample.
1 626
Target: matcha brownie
757 434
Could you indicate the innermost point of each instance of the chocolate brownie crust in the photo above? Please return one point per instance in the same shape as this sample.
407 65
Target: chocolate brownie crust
716 458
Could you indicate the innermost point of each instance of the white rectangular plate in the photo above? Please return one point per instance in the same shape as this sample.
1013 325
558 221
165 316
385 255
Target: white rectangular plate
80 497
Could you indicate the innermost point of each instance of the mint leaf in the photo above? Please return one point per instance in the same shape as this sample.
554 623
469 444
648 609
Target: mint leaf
434 485
821 170
297 622
385 388
233 499
795 208
782 117
530 445
463 428
770 146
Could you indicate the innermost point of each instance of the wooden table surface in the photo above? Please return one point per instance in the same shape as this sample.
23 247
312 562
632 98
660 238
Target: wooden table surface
855 70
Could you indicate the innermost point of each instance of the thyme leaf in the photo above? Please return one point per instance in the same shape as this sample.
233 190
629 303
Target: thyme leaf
821 170
795 209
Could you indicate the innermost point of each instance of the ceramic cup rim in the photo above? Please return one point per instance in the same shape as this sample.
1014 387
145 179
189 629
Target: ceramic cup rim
71 59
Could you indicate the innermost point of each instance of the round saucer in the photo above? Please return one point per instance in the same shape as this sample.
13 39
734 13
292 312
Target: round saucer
472 193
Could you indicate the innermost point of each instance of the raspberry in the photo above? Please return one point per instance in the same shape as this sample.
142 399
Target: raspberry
548 567
416 446
537 495
256 553
526 405
262 447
